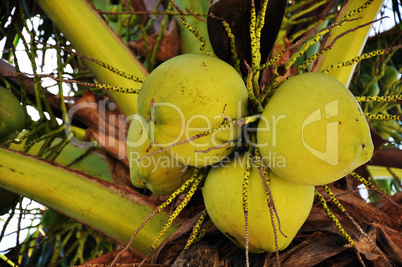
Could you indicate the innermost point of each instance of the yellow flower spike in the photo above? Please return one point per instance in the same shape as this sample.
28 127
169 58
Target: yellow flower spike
375 189
340 206
301 51
194 234
300 42
382 116
360 58
252 94
261 22
327 49
232 42
175 213
190 28
253 38
208 225
109 87
98 62
334 219
366 11
388 98
333 198
169 200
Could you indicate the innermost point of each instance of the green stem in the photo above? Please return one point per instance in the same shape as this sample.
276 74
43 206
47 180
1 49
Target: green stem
111 209
92 37
352 44
86 160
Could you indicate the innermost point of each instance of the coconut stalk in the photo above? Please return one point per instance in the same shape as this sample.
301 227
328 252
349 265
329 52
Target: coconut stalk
107 207
74 157
91 36
352 44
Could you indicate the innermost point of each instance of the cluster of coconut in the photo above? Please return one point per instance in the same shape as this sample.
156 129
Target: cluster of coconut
312 132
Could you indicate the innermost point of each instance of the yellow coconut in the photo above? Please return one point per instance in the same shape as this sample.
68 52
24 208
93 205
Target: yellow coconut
313 131
223 199
160 173
188 95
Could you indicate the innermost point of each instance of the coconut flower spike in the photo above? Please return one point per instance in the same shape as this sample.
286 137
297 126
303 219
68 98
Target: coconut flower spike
340 206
